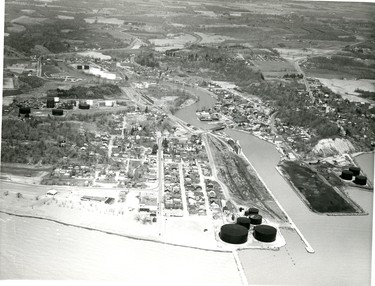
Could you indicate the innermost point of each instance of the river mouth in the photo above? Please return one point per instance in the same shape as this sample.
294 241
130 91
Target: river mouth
340 242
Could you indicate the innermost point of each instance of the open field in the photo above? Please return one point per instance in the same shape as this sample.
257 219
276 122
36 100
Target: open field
316 192
26 20
347 88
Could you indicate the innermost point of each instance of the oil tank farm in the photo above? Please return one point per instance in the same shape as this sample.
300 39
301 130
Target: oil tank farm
360 180
251 211
355 170
265 233
244 221
57 112
25 110
256 219
83 106
347 175
50 102
233 233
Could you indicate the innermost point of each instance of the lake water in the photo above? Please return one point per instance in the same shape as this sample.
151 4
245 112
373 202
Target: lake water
342 244
366 162
38 249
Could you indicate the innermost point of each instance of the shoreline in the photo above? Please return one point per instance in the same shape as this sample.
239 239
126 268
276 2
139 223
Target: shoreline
112 233
214 244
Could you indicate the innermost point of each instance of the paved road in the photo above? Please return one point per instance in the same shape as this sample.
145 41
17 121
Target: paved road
161 184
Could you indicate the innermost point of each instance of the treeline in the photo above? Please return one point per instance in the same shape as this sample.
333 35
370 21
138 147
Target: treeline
341 64
220 65
82 92
366 94
31 81
291 107
48 36
147 60
307 119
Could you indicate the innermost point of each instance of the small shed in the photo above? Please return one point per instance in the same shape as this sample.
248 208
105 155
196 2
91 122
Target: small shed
51 192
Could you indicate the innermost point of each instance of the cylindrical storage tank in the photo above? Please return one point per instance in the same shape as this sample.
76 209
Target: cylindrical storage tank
255 219
57 112
25 110
347 175
50 102
355 170
253 211
244 221
233 233
360 180
84 106
265 233
56 99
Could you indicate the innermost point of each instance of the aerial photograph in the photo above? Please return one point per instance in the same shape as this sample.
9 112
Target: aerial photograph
195 142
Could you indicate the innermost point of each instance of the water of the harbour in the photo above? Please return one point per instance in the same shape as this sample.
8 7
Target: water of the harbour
342 244
188 114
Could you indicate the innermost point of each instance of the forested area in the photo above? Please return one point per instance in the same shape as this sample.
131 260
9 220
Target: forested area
82 92
31 141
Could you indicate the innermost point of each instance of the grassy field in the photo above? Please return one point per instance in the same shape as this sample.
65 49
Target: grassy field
23 170
320 196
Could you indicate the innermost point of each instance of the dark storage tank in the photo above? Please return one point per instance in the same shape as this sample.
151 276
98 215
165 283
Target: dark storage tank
251 211
25 110
355 170
256 219
360 180
347 175
83 106
265 233
57 112
244 221
50 102
233 233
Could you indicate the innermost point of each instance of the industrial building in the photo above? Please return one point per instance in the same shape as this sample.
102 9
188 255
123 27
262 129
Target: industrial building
233 233
83 106
25 111
265 233
57 112
50 102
